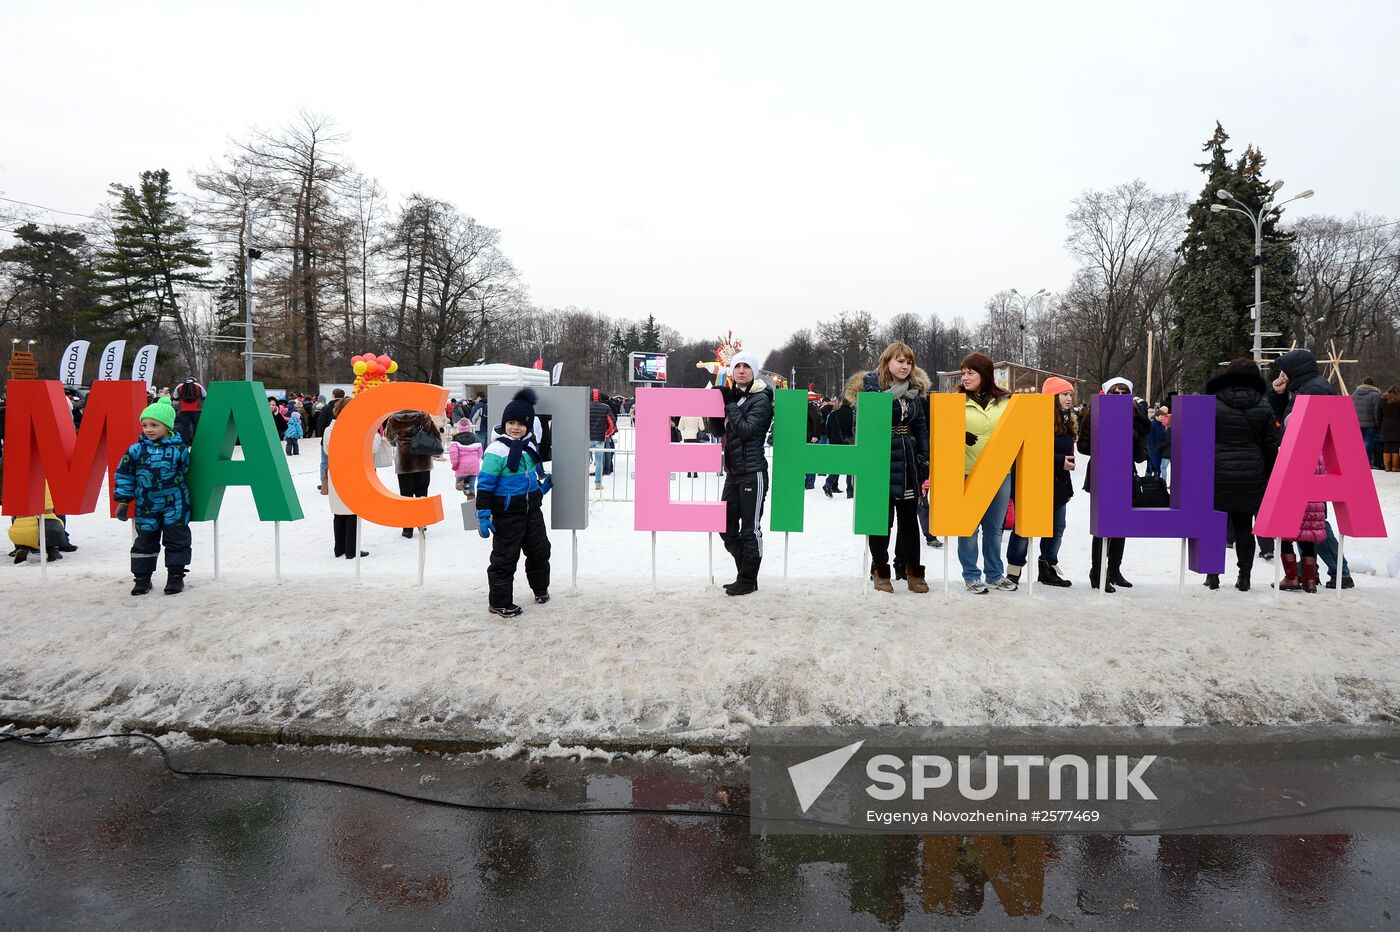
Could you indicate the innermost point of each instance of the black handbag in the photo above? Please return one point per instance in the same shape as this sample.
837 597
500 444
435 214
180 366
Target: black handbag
425 443
1151 492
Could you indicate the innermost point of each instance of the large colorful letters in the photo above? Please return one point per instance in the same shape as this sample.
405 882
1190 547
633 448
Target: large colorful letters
1192 514
868 459
350 456
235 413
658 457
41 445
1023 435
1325 427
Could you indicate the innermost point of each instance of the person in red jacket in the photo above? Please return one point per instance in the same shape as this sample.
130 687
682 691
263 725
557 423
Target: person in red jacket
189 395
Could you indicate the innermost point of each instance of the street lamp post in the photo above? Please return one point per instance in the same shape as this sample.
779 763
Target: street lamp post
1257 218
1025 319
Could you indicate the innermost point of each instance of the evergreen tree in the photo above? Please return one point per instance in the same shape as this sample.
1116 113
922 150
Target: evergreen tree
152 260
1214 287
650 336
51 270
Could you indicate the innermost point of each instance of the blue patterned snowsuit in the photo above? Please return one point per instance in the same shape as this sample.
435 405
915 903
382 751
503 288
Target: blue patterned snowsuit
152 478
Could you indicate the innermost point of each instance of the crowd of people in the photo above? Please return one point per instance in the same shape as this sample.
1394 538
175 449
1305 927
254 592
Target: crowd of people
1252 414
501 468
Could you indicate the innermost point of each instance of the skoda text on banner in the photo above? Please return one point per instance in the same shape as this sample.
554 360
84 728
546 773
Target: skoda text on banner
143 364
72 363
109 364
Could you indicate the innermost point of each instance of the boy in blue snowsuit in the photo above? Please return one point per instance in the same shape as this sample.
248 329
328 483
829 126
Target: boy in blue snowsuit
509 493
151 490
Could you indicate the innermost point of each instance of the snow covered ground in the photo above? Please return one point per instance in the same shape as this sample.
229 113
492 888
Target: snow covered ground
619 660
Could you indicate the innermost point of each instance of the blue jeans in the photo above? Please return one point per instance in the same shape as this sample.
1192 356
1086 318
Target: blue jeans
1327 552
1371 436
601 461
1017 546
466 484
991 525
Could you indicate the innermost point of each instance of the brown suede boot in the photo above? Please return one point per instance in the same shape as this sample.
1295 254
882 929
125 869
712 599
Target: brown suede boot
1290 573
880 573
1309 574
915 574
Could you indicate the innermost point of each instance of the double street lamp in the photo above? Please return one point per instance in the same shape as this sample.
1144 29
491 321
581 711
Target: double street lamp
1025 320
1257 218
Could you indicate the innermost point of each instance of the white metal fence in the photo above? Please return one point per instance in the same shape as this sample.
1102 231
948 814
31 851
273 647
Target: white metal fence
619 485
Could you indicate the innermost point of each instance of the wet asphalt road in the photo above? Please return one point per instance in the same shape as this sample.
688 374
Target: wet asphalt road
105 838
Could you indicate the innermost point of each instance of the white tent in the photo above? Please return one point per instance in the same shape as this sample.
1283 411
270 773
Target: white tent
466 381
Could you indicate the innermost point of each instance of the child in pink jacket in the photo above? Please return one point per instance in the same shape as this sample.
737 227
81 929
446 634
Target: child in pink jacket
465 454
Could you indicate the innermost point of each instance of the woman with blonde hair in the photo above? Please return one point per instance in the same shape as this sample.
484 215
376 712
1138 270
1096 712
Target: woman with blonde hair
908 387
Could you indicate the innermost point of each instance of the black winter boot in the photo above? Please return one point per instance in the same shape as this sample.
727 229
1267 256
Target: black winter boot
1050 576
506 611
1094 581
1116 578
1212 581
1242 580
747 581
175 580
143 585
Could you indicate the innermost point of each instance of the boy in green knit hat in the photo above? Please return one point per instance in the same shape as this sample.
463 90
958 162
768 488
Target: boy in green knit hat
151 490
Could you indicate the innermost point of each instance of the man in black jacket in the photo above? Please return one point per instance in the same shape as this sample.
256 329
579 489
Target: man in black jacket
840 429
600 427
748 413
327 414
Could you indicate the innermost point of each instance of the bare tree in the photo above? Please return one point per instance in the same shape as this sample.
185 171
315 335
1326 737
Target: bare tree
1350 276
1125 238
307 178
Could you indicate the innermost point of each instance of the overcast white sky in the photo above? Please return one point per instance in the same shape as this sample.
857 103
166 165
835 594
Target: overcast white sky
749 166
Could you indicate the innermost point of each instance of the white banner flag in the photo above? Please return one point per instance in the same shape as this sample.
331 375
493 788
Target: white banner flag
72 363
109 364
555 373
143 364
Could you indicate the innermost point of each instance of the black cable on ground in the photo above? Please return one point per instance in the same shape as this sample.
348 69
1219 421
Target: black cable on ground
36 740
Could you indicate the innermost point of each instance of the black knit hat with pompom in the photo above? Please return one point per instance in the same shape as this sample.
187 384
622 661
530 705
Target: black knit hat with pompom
521 408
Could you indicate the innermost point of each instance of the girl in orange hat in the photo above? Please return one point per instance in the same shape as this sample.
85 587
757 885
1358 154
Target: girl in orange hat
1065 432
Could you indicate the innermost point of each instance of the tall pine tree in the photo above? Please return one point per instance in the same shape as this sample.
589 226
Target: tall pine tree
153 260
1214 287
650 336
54 296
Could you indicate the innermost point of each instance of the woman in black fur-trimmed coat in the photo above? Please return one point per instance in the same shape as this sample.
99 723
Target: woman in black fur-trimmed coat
1246 443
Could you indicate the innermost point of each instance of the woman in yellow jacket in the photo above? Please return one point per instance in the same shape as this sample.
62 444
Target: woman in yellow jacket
983 408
